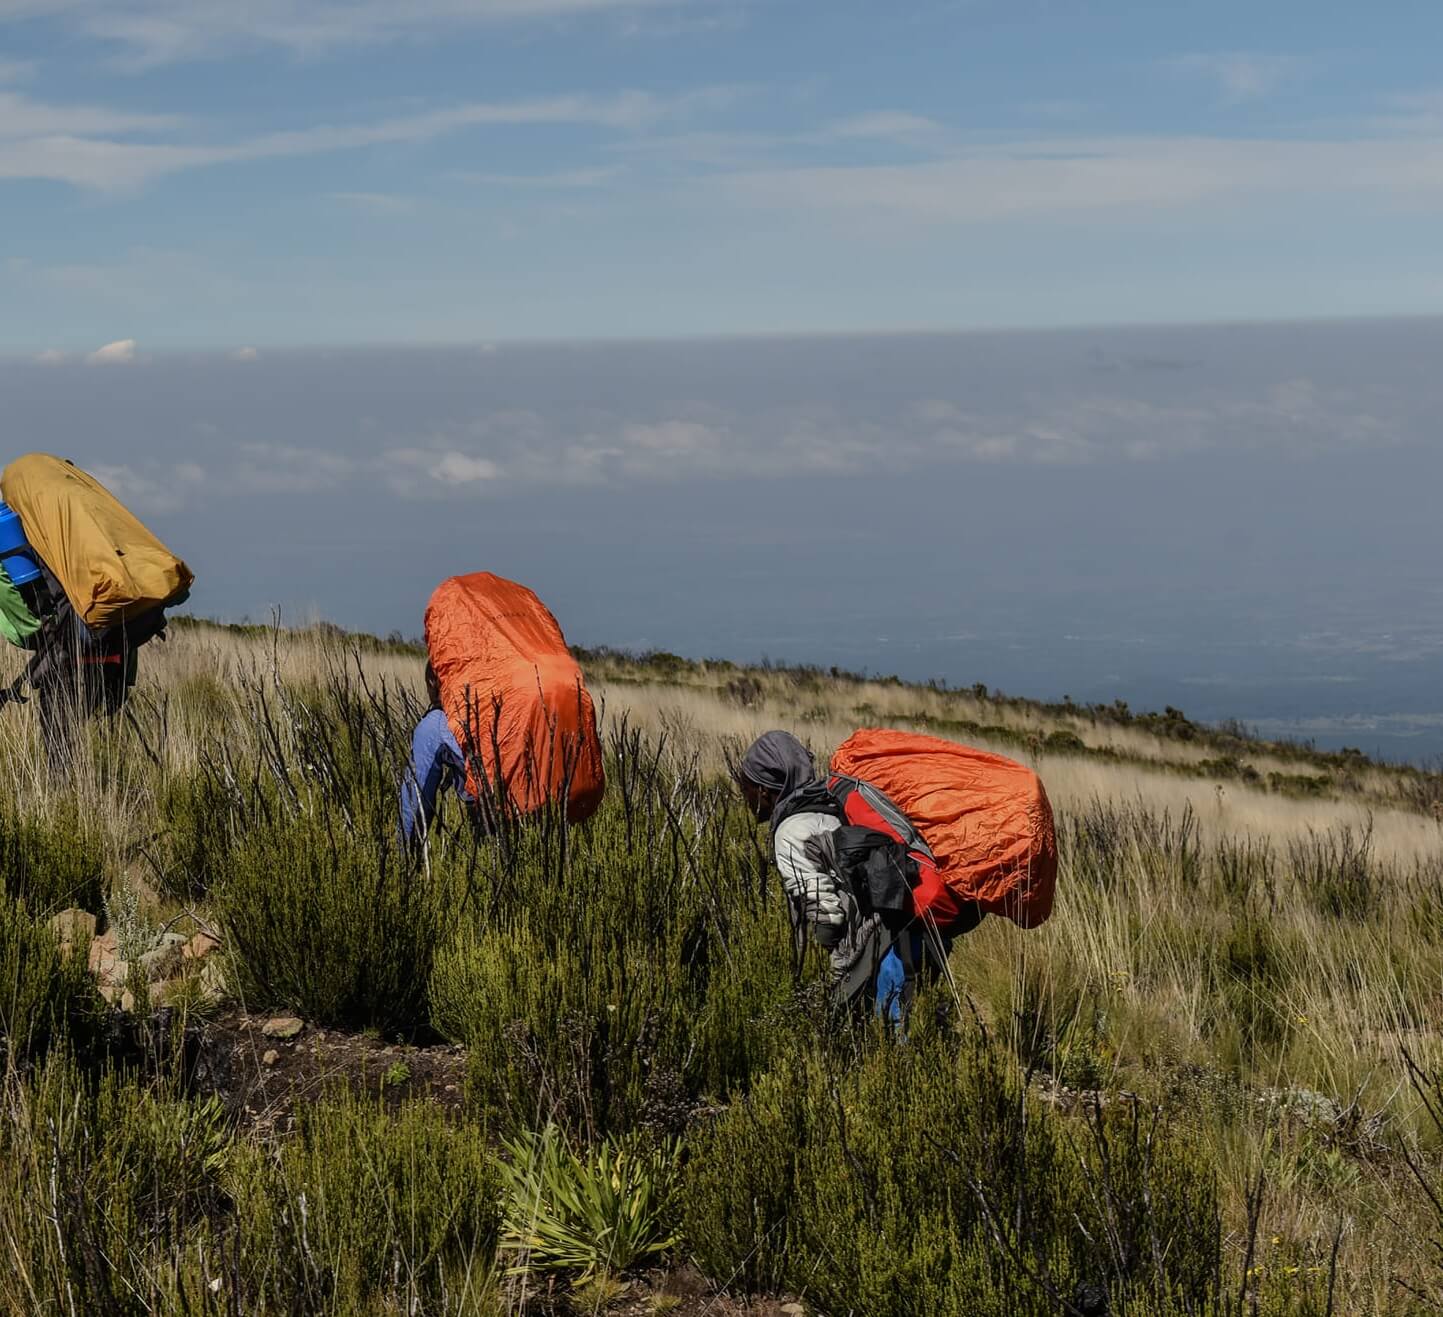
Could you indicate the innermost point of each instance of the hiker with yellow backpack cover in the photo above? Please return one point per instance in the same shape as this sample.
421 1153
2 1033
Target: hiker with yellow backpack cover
83 585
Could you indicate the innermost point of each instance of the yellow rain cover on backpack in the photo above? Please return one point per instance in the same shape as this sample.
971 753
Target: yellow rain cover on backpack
110 567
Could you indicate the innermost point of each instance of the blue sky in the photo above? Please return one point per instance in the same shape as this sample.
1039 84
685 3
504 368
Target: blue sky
202 174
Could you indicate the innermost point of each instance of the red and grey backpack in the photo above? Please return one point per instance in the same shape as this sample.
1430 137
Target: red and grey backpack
880 854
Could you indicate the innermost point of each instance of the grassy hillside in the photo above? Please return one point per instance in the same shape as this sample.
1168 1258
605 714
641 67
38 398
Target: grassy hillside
561 1068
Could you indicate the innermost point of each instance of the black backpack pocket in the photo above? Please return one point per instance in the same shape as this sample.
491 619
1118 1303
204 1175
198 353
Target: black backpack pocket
878 870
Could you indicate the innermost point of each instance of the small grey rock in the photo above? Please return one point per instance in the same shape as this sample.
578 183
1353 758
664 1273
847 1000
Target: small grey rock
283 1026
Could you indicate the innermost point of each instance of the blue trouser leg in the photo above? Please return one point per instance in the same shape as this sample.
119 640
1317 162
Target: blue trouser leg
891 979
892 974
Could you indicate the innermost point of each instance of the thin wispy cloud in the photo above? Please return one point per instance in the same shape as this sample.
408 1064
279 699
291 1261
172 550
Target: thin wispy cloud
147 33
78 144
721 150
887 126
560 178
22 118
527 167
1242 76
376 203
135 280
1060 176
1411 113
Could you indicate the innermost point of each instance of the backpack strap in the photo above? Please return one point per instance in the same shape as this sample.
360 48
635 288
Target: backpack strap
841 787
816 797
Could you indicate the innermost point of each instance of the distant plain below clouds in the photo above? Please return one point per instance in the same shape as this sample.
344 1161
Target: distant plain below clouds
1250 534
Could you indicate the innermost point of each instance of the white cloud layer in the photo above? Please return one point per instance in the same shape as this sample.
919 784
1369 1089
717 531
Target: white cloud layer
152 488
1147 403
1295 415
119 353
425 472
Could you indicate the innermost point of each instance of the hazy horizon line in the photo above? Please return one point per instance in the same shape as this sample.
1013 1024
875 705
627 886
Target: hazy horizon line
483 344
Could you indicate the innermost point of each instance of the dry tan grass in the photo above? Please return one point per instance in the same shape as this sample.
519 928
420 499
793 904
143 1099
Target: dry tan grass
1224 808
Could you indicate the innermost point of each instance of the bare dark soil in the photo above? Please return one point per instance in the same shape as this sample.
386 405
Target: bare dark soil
265 1081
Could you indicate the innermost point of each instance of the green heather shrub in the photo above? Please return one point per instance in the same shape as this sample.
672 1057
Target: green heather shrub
1246 867
369 1211
1249 995
44 996
195 813
296 841
1337 872
119 1198
207 699
51 863
333 922
740 1177
621 972
105 1191
920 1181
1057 1022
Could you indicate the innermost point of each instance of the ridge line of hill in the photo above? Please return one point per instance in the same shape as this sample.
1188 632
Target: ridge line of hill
1225 751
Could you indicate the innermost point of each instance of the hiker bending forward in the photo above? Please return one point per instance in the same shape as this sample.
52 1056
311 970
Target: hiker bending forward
511 727
859 891
436 763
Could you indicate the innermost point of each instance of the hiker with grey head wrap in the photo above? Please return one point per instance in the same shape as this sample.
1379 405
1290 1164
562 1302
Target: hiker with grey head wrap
774 768
778 763
779 781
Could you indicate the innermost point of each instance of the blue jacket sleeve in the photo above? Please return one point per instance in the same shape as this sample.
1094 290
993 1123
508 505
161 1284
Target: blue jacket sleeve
431 754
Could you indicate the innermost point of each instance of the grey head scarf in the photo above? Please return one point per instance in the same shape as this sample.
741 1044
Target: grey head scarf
779 762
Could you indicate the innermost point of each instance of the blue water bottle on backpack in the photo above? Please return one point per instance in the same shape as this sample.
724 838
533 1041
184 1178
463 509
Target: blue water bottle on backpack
16 555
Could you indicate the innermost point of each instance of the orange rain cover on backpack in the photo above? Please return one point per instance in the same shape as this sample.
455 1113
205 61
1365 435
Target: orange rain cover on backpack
986 818
510 685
